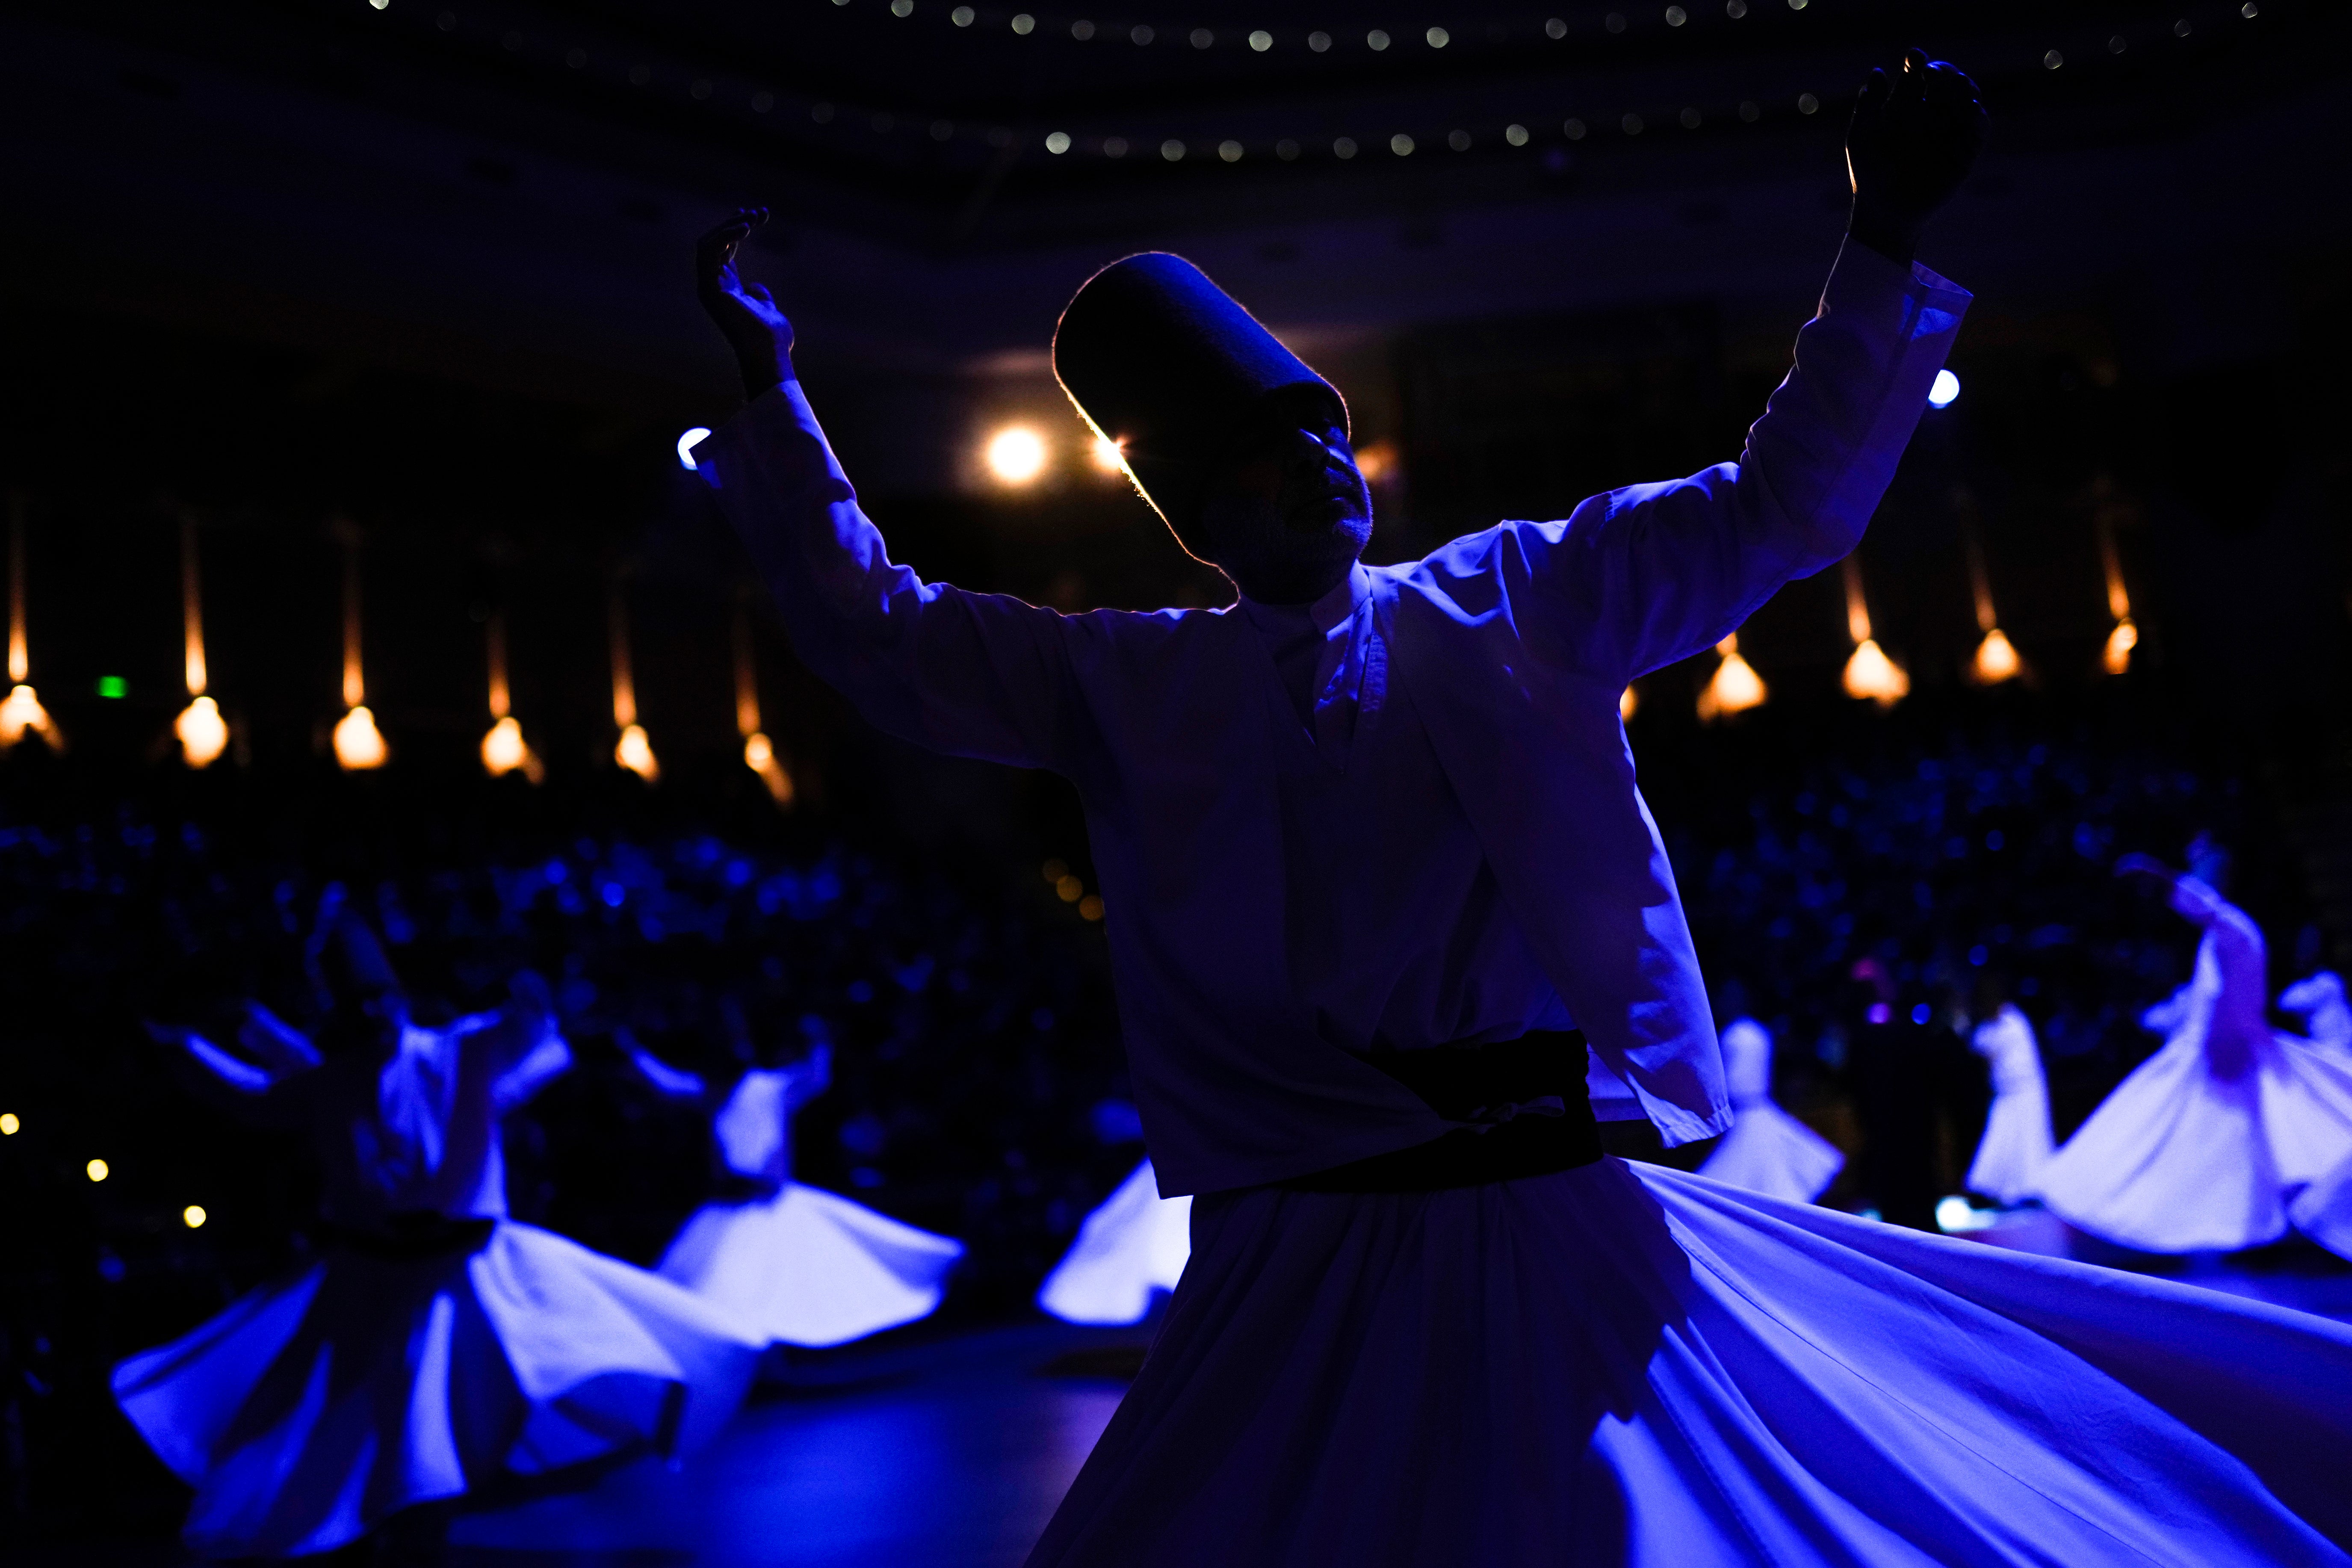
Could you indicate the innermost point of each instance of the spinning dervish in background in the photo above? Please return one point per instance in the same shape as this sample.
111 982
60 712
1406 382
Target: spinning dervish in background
2017 1142
1129 1251
790 1263
2327 1017
435 1343
2205 1146
1377 876
1767 1151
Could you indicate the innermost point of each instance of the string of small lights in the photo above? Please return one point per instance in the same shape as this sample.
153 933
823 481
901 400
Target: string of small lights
1542 131
1046 26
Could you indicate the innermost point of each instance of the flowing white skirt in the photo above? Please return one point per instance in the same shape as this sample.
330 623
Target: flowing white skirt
2323 1211
317 1405
1768 1150
810 1267
2182 1158
1622 1364
2016 1145
1132 1245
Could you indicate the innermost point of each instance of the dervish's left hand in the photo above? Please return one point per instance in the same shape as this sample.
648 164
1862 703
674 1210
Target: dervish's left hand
1915 136
756 330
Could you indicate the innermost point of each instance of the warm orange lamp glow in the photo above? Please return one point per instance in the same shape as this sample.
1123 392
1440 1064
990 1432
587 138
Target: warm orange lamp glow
759 752
1869 674
359 745
1735 686
504 751
21 712
2116 655
1996 659
633 751
1629 702
202 732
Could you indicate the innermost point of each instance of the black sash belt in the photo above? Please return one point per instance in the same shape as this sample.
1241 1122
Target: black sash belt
1506 1087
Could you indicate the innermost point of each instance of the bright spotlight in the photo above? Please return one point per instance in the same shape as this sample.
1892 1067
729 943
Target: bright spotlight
1015 454
194 1216
1945 392
688 442
1105 455
9 1124
96 1169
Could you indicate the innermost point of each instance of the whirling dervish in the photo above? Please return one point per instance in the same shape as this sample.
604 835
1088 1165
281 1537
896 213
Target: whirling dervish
434 1343
1384 899
1129 1251
2327 1017
2323 1211
2017 1144
788 1263
2205 1145
1767 1151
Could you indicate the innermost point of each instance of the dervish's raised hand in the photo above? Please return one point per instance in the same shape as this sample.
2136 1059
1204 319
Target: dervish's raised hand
756 330
1915 136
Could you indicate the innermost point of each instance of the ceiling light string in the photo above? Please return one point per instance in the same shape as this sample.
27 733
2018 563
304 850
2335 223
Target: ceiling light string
1553 28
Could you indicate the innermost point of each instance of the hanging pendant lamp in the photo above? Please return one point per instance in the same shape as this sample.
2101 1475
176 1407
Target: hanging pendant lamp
1869 674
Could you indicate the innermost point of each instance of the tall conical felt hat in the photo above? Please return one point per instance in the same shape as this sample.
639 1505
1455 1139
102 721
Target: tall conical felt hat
1169 366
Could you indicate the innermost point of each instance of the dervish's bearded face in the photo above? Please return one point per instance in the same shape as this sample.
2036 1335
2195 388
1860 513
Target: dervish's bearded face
1287 512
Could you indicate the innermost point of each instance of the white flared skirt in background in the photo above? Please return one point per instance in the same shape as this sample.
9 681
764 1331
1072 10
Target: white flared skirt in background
1129 1249
2182 1158
810 1267
1622 1365
1768 1150
2323 1211
2016 1146
317 1405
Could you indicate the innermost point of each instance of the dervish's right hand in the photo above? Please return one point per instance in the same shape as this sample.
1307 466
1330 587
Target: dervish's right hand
1915 136
756 330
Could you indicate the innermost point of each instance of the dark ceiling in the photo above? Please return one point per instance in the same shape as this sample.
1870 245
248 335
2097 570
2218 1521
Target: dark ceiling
507 187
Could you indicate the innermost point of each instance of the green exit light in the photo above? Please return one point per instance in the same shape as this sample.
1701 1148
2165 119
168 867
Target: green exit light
113 686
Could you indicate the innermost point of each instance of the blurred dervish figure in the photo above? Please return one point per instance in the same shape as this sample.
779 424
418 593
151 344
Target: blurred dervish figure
2016 1144
2328 1017
790 1263
1767 1151
435 1343
1387 918
1130 1250
2203 1147
2323 1211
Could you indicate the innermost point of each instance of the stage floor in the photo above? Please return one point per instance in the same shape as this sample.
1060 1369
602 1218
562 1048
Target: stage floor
950 1452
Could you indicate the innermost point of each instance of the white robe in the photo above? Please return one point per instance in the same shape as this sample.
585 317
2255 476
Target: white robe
391 1371
1767 1151
2017 1144
2205 1144
805 1266
1130 1250
1605 1364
